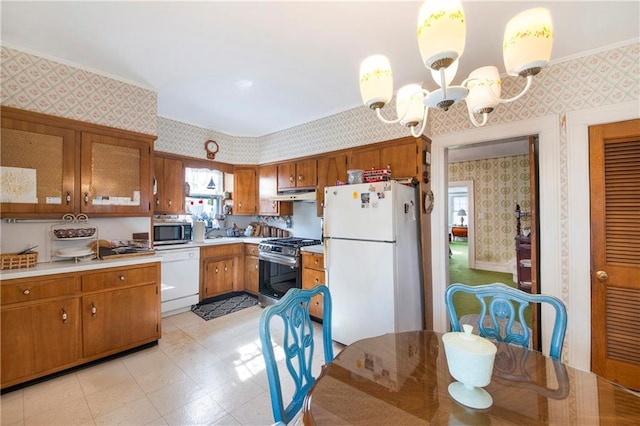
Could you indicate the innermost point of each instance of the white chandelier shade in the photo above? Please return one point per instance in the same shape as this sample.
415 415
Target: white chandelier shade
527 45
442 32
528 39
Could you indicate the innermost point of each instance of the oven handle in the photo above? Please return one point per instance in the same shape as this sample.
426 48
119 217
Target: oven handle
279 259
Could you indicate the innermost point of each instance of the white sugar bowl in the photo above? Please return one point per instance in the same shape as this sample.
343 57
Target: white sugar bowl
470 359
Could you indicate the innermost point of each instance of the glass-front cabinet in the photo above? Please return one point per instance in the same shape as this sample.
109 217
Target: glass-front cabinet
37 168
50 166
115 175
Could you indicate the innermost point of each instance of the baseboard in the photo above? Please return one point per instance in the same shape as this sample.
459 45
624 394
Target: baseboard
493 267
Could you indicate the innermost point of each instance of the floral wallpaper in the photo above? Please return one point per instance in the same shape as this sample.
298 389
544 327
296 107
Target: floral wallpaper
36 84
498 185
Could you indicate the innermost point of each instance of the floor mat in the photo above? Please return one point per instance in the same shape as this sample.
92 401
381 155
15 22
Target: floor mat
217 307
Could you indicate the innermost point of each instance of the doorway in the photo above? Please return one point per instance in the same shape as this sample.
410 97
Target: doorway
547 128
461 197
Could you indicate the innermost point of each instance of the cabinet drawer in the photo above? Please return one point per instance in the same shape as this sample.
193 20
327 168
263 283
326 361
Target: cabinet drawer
119 277
312 278
313 260
251 249
25 290
223 250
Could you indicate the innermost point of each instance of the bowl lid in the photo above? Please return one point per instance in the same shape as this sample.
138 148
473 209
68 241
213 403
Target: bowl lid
468 342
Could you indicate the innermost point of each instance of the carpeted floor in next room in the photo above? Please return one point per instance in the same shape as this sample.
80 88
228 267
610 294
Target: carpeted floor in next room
459 272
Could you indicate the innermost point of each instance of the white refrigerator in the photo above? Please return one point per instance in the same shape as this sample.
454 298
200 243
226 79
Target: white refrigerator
373 259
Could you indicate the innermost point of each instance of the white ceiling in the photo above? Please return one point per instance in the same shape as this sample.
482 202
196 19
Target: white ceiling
302 58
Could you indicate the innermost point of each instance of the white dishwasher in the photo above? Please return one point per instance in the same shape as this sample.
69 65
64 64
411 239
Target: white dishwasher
180 270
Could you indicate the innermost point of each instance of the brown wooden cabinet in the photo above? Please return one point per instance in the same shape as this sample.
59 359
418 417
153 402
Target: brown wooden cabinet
245 196
58 321
402 158
39 338
365 158
169 183
47 150
523 265
267 189
331 168
251 268
313 274
79 167
301 174
400 155
221 269
115 175
123 310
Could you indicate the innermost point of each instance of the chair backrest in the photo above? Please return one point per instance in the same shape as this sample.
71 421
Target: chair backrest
298 346
497 306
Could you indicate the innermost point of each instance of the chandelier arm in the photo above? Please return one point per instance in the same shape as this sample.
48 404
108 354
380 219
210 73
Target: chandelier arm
384 120
423 126
519 95
485 116
406 110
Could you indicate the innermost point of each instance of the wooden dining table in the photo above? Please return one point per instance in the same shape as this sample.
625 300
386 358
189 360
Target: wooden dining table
403 379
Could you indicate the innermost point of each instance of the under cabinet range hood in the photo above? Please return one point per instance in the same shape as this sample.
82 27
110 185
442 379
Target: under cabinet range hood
307 196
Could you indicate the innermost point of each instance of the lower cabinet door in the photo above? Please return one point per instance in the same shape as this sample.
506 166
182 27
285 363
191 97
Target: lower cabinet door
120 318
39 338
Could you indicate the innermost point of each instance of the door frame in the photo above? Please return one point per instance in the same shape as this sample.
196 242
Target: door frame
550 204
471 235
579 227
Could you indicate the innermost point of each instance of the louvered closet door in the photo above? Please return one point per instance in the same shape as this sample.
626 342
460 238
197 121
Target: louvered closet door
615 251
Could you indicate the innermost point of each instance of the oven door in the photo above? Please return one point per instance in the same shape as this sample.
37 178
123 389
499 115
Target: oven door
277 274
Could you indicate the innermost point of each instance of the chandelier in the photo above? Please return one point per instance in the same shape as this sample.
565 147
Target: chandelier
527 43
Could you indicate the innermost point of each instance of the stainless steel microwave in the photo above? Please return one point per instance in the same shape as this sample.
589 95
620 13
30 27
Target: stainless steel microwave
171 232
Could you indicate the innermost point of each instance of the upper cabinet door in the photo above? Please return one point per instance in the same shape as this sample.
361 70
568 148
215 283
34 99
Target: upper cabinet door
245 197
286 176
115 175
170 183
365 159
401 158
267 189
301 174
37 169
306 173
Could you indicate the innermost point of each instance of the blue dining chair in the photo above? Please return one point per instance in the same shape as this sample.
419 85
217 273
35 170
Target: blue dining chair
497 307
298 346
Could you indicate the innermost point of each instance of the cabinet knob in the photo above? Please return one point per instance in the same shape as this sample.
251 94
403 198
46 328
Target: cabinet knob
169 203
300 178
256 266
68 198
121 277
157 201
216 270
26 292
602 275
64 315
225 269
86 198
94 310
316 280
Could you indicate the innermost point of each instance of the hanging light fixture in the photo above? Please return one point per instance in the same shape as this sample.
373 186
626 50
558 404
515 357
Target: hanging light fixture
527 44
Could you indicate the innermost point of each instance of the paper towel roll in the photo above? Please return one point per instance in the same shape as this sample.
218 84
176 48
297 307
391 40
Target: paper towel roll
198 231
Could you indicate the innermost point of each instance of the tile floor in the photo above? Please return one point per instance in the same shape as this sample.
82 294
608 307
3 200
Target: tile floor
200 373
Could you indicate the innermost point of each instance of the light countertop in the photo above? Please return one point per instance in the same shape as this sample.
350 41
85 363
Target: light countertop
66 266
319 248
61 267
